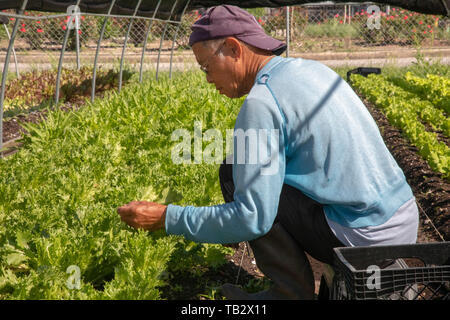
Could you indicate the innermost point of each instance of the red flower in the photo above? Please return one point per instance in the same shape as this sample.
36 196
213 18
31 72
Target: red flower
341 22
23 30
40 30
420 22
431 31
64 27
405 18
38 22
79 31
337 15
429 27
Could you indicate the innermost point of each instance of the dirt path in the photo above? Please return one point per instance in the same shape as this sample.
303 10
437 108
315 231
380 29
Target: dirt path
184 60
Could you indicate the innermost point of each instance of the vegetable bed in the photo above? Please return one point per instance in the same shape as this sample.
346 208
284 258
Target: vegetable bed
59 228
411 111
60 234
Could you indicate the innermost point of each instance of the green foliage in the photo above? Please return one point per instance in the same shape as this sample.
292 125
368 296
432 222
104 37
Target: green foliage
36 89
60 192
330 29
402 108
433 88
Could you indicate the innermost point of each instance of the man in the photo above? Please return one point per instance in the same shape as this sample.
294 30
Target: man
317 176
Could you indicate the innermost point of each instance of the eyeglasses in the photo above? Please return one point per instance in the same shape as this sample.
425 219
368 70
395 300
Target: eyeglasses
204 66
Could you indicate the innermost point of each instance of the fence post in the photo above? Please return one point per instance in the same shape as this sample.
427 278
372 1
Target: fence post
61 57
146 39
162 39
77 41
175 38
5 71
102 32
125 44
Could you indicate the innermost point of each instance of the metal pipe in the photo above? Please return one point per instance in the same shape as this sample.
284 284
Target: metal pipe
102 32
146 39
77 40
175 39
61 57
13 51
17 16
144 18
125 44
5 72
162 39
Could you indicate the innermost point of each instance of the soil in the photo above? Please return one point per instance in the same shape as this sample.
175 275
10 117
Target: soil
431 190
432 193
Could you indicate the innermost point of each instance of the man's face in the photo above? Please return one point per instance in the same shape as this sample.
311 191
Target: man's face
221 69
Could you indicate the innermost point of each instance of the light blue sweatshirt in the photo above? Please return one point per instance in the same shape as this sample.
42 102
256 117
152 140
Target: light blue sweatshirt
329 147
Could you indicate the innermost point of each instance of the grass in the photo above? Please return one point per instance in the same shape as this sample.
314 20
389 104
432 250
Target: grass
420 68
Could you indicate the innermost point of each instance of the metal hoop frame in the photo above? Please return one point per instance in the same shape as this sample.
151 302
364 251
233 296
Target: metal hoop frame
19 16
5 71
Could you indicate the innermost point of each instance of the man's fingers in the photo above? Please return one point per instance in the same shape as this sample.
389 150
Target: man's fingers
123 210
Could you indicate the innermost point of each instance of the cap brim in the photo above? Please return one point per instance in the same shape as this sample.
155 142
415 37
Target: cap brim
263 41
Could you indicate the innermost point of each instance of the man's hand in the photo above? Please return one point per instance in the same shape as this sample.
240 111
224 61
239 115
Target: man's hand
145 215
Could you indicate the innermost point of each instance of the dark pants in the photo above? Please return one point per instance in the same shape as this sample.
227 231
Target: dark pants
302 217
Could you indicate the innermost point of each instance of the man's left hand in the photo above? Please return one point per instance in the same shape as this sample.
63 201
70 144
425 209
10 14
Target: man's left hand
145 215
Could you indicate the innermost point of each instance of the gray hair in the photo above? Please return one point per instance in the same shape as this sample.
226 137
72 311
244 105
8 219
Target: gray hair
213 44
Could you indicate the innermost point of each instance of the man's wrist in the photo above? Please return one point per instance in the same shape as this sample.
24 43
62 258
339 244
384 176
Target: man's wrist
163 219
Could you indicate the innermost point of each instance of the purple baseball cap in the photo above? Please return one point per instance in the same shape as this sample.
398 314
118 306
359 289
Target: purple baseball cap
226 21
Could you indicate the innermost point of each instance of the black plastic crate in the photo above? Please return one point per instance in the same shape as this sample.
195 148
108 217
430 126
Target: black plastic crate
401 272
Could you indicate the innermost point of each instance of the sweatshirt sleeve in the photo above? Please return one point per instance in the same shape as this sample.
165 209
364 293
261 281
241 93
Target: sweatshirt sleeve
258 175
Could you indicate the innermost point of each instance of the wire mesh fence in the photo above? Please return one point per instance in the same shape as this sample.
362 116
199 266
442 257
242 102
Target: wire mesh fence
316 28
40 36
147 43
312 28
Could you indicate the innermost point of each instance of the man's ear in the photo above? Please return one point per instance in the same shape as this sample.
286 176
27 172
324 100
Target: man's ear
234 47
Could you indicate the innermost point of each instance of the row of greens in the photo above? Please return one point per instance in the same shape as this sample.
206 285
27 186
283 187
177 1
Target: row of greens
407 107
35 90
60 234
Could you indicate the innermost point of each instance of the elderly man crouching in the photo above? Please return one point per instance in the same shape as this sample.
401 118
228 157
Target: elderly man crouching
323 176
